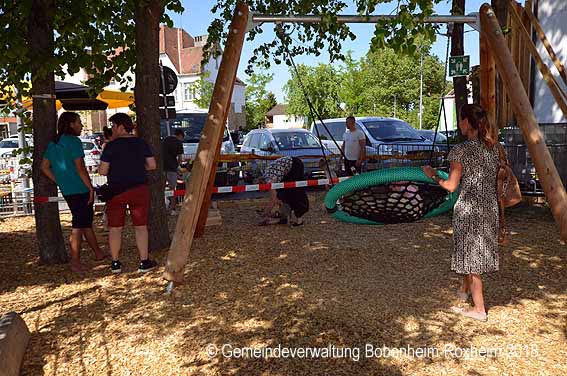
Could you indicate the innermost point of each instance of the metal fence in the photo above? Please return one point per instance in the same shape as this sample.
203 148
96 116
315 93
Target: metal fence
555 136
16 200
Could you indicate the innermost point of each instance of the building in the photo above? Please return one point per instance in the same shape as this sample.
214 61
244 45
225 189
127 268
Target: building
8 126
182 53
277 117
552 16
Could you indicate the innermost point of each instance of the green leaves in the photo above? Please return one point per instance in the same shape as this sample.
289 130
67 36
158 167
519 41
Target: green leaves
370 87
258 100
399 33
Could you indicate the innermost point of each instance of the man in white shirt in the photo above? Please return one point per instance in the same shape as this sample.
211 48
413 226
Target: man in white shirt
354 147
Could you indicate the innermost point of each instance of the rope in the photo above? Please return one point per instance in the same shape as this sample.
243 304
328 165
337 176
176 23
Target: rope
314 113
442 106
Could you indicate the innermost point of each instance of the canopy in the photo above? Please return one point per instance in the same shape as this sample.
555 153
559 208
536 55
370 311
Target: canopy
74 97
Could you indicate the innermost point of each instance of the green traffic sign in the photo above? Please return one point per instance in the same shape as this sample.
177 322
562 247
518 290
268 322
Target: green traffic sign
459 66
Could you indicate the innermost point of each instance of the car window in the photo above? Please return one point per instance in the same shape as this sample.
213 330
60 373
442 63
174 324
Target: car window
264 142
335 128
247 139
191 124
8 144
88 146
391 130
295 140
255 141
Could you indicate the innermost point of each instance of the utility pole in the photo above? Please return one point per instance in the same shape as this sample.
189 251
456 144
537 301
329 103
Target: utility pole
394 95
421 87
22 143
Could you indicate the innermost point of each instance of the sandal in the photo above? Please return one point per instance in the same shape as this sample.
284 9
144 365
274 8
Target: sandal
470 314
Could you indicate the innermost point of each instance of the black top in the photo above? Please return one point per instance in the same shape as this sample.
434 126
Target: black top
127 159
171 147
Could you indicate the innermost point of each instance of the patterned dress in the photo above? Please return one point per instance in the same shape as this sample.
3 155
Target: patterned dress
475 216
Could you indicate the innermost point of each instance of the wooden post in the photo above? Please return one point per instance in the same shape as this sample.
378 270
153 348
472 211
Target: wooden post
556 90
208 145
525 60
202 221
487 80
546 170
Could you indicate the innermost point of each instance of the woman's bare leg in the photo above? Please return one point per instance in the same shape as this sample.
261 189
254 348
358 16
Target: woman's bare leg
476 292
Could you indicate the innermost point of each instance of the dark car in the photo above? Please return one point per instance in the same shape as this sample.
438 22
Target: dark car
440 139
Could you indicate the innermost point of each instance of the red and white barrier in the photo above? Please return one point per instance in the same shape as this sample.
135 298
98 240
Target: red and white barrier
235 188
268 186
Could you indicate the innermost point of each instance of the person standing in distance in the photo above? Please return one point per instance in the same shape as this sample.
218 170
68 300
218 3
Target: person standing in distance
172 154
354 147
125 161
63 163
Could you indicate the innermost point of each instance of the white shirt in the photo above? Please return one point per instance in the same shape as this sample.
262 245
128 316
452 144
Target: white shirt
352 145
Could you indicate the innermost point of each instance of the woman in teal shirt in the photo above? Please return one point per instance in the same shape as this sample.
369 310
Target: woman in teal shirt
63 163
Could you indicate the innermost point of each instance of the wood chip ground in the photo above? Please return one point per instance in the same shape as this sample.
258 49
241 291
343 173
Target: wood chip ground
376 298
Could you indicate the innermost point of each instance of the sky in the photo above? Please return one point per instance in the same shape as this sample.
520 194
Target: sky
197 17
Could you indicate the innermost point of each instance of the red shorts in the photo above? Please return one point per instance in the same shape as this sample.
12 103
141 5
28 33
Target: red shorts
138 201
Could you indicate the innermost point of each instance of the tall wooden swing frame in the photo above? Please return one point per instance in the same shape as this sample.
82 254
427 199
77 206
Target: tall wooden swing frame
494 55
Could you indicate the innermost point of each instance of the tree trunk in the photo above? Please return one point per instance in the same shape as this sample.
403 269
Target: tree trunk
41 44
147 17
457 49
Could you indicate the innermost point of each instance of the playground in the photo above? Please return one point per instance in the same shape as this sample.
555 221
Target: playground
326 285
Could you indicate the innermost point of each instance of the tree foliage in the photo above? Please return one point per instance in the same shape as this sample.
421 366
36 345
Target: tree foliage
258 99
368 87
98 36
203 91
322 86
399 33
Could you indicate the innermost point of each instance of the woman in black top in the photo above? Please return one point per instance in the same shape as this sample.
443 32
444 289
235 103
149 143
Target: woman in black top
125 161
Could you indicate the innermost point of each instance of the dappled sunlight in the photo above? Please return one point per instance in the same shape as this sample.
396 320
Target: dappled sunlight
326 284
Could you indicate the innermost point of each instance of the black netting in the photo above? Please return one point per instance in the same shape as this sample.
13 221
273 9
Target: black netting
396 202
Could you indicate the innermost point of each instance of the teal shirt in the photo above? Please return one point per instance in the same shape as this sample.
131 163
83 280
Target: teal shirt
62 158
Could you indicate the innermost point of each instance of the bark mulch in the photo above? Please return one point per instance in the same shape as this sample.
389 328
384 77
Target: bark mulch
371 300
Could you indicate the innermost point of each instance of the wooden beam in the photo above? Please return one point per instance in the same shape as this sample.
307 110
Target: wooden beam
536 25
487 80
202 221
14 338
212 136
556 90
525 59
546 170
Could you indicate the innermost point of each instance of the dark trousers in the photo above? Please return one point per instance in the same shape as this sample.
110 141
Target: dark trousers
348 167
296 198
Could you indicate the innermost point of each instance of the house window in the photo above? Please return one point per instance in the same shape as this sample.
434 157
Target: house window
188 92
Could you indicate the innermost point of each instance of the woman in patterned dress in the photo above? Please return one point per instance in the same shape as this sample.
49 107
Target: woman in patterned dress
474 166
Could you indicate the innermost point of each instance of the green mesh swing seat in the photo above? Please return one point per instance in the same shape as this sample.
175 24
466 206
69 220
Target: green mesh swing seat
395 195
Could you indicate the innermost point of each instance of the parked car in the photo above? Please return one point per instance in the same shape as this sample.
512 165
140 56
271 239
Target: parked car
287 142
440 139
192 123
92 153
10 144
384 136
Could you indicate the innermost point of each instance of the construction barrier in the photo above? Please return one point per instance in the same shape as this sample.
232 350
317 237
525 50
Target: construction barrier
234 188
